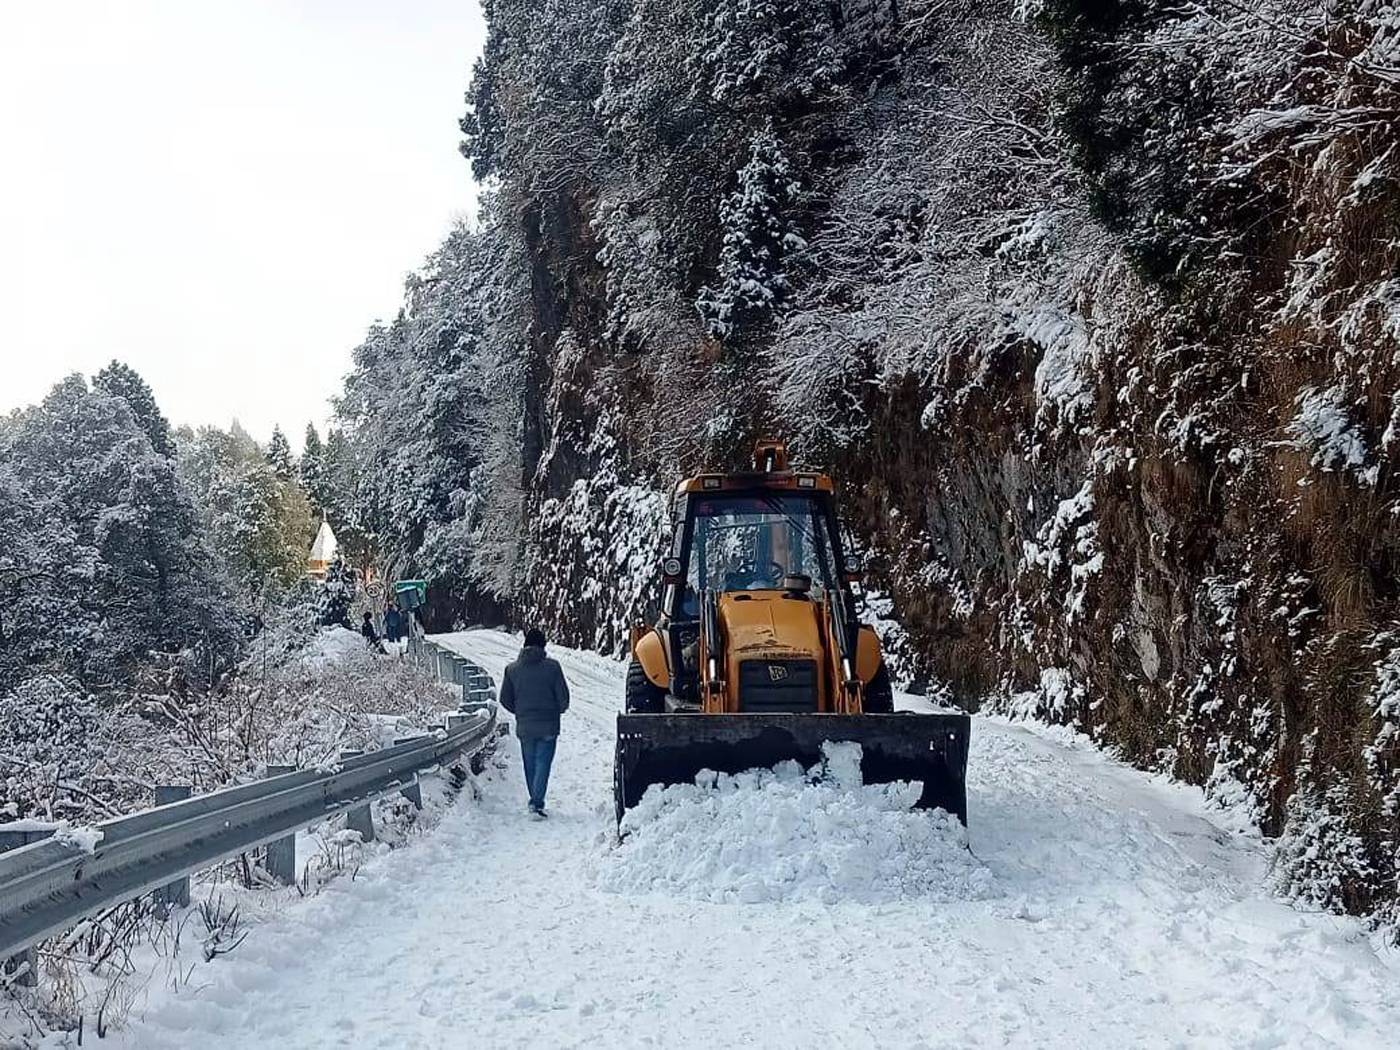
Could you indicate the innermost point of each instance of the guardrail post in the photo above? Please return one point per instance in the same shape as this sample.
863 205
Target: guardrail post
27 960
475 763
413 792
281 859
359 819
177 893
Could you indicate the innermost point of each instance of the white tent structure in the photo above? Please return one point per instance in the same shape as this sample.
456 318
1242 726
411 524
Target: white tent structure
322 551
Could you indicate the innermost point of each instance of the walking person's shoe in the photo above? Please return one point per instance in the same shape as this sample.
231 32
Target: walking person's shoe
536 813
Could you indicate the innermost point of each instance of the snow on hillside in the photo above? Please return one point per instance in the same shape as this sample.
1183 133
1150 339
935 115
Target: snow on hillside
1115 912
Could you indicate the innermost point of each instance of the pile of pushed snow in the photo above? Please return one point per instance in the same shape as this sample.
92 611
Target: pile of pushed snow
786 833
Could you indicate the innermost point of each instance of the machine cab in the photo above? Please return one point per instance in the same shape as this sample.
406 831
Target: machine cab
744 542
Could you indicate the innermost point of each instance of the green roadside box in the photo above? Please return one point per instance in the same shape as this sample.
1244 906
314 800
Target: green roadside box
410 594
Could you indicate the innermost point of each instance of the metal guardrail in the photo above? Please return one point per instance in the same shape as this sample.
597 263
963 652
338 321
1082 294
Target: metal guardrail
477 686
52 884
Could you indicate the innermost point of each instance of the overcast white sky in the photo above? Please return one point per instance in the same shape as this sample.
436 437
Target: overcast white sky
222 193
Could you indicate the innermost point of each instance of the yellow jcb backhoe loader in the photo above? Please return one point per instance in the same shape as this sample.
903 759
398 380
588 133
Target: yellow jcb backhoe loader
757 656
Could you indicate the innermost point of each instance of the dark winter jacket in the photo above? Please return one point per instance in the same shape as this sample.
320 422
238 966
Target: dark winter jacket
534 691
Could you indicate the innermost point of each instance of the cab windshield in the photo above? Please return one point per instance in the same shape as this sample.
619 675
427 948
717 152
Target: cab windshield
752 542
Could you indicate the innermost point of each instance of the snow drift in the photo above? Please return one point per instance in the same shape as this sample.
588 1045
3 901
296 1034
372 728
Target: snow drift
791 834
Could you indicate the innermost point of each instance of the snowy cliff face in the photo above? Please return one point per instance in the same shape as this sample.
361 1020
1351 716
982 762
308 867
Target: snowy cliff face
1096 317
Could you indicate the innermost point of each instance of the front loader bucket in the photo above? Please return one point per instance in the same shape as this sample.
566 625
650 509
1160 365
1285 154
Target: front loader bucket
672 749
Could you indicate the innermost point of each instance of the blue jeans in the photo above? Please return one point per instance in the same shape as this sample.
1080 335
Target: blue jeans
538 753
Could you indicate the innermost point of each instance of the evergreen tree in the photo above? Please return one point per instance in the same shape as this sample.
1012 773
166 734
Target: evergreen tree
337 594
757 234
114 538
313 466
123 381
260 524
337 496
44 617
279 455
483 126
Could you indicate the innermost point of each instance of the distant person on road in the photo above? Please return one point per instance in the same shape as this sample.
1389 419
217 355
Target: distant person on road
371 635
393 623
534 691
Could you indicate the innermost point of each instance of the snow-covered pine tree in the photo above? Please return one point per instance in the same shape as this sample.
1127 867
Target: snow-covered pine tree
123 381
337 594
259 524
45 576
758 234
312 466
279 455
336 494
746 49
134 556
760 55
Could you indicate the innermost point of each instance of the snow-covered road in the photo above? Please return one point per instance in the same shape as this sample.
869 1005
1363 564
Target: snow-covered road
1120 916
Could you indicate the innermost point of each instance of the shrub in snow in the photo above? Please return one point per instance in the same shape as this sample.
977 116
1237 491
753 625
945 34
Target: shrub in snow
787 833
1383 756
66 755
1323 428
302 706
1321 859
1066 553
1055 698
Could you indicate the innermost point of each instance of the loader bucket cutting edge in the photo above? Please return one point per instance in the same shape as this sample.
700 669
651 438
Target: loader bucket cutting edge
672 749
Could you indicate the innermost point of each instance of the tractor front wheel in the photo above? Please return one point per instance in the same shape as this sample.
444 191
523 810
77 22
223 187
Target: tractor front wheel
643 698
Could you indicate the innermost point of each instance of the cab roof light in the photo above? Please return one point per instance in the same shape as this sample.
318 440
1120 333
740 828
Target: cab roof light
711 483
807 481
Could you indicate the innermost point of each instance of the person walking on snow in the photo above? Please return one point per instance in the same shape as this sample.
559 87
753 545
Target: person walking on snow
371 635
534 691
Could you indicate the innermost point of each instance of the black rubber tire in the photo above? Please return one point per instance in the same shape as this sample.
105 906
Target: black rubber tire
879 693
643 698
